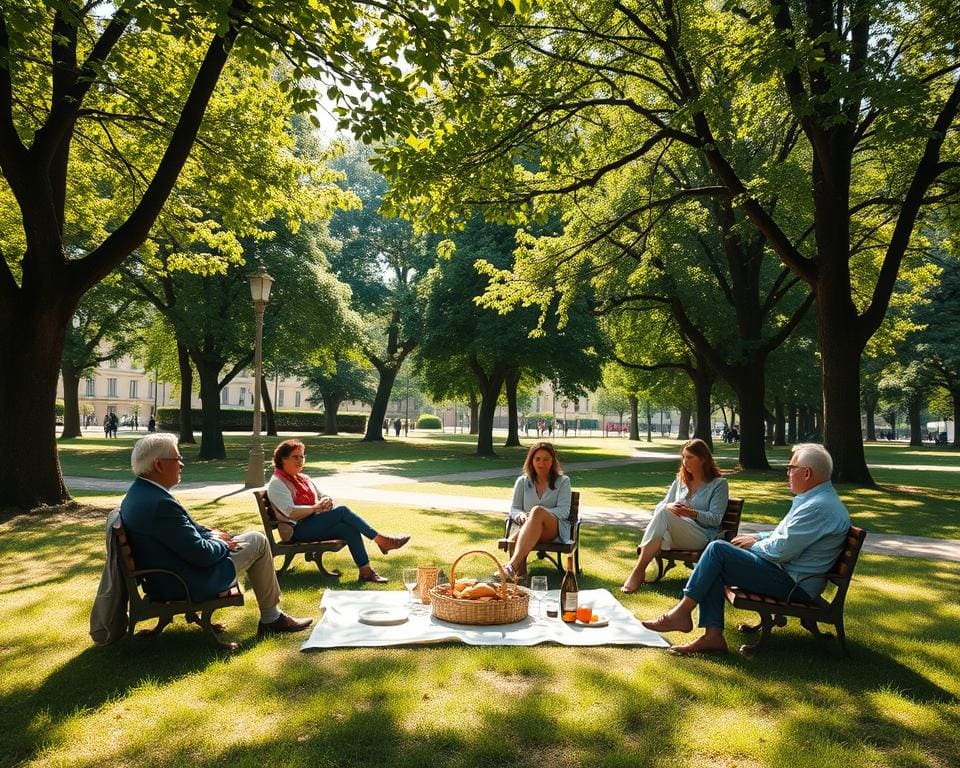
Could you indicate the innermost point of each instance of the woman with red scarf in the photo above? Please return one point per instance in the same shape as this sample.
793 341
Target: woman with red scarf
313 517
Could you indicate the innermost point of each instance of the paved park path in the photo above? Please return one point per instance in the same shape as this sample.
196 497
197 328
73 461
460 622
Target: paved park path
362 485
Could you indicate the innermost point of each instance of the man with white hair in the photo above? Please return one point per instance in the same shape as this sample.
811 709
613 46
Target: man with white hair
783 563
163 535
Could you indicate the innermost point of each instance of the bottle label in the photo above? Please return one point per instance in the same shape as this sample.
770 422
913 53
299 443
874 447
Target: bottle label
570 602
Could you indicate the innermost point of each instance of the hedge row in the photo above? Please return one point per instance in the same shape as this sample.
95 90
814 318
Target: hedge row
241 420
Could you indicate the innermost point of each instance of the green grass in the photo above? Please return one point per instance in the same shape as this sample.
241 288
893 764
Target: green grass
173 701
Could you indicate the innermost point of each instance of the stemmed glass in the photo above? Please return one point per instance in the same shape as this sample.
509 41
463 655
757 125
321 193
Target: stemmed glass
410 582
539 586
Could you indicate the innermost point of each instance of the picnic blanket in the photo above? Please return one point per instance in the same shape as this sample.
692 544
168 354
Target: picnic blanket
340 627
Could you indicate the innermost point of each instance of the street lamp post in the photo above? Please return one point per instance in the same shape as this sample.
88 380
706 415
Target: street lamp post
260 283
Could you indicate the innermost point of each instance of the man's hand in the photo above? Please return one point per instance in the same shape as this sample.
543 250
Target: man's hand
226 538
744 541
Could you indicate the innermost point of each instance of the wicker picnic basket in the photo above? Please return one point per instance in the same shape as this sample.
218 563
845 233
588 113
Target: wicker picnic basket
510 608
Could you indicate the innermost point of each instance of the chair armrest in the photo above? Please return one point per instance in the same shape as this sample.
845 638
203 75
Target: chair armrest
830 576
507 526
164 571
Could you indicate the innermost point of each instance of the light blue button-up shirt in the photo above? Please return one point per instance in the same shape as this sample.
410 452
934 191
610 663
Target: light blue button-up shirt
808 540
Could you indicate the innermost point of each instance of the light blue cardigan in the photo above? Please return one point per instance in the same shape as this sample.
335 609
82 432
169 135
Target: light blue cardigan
556 500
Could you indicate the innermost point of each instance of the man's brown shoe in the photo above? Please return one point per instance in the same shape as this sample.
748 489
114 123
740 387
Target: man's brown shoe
282 625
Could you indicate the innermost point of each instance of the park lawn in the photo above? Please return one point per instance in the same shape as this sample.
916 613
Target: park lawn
172 700
419 455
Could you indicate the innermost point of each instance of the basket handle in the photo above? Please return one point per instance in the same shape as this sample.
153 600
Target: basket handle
503 574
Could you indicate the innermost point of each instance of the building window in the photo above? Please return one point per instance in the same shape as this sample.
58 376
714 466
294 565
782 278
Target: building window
243 396
280 398
91 388
225 396
114 363
133 389
296 399
111 387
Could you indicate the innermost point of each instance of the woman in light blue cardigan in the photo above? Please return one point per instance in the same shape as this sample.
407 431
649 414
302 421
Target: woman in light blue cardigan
541 506
689 515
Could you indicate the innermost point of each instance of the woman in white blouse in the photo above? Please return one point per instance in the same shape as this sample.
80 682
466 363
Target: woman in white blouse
689 515
541 506
313 516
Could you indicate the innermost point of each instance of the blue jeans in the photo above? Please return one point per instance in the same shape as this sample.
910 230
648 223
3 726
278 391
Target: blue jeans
338 523
724 564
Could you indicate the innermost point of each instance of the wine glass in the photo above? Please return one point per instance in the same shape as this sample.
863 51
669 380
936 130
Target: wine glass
539 586
410 582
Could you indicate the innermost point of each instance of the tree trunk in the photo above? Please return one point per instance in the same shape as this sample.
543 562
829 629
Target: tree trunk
31 348
211 433
683 432
331 404
186 395
751 391
381 401
511 381
779 435
474 415
916 428
490 393
649 419
634 418
956 417
870 406
269 414
792 425
703 379
71 401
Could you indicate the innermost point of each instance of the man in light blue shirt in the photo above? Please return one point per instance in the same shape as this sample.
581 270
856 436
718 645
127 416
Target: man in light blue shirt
783 563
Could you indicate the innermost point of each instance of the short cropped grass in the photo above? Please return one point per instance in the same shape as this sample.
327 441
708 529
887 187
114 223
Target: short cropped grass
171 700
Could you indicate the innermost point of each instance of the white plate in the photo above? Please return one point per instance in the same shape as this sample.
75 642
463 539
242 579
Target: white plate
600 622
383 617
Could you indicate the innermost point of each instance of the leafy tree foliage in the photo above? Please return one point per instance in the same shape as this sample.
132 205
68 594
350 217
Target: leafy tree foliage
77 78
561 104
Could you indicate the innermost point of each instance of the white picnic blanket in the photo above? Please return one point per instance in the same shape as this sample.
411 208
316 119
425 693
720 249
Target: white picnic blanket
340 628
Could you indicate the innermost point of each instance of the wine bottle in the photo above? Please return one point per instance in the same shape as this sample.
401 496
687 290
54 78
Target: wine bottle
568 593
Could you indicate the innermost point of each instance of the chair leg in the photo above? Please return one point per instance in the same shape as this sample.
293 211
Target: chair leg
210 630
661 571
161 624
765 626
318 559
576 561
287 559
842 637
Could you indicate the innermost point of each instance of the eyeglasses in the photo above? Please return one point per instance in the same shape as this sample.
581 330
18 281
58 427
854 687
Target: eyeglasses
297 457
171 458
792 467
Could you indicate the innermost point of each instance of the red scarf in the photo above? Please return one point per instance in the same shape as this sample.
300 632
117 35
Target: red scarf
301 489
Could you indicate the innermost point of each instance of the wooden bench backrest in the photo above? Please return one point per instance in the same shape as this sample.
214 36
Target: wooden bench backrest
847 559
730 524
127 563
574 509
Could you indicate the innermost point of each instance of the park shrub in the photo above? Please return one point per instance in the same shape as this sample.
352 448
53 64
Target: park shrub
429 421
241 420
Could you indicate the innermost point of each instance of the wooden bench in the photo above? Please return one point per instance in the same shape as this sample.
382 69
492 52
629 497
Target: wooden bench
553 550
729 526
312 551
141 607
774 612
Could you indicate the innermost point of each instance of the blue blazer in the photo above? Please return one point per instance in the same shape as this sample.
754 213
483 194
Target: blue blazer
163 535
